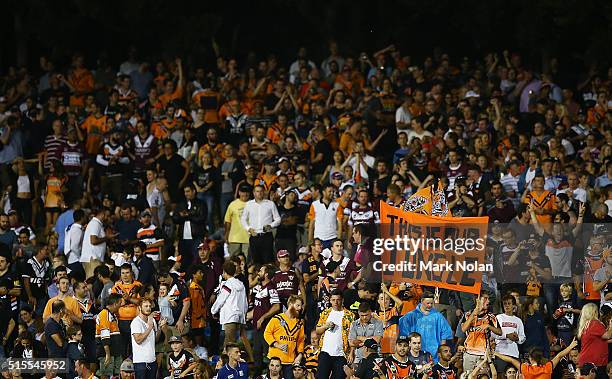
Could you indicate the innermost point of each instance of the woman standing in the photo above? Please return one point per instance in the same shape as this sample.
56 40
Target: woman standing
593 337
534 327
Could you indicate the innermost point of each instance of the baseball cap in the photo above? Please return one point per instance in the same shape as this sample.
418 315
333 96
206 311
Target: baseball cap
145 213
337 176
127 366
282 253
402 339
371 343
300 364
470 94
303 250
203 245
282 159
12 212
174 339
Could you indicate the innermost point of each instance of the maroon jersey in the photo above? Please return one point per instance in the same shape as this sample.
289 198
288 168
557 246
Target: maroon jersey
348 270
453 172
143 150
287 283
72 158
264 297
358 214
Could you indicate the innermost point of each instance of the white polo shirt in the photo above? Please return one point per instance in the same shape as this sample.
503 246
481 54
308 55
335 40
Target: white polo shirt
325 219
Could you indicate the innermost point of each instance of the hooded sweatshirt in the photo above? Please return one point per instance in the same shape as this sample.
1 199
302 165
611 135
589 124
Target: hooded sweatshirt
231 303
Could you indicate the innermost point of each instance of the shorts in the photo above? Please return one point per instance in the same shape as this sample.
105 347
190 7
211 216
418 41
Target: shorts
52 209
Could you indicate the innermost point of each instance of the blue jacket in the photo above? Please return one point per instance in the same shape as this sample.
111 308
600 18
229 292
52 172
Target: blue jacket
433 328
228 372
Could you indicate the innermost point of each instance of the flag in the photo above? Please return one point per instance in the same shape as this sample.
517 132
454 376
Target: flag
439 204
419 202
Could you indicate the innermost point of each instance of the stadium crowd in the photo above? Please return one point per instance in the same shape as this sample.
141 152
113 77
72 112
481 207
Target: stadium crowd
163 219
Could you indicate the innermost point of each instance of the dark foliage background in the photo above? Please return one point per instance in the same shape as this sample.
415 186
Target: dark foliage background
578 32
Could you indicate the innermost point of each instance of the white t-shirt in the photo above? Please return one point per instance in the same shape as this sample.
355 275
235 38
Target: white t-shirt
144 352
332 339
509 324
89 251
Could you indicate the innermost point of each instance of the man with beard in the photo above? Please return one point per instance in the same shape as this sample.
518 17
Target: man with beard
287 279
266 305
285 335
398 366
145 333
299 371
499 207
445 368
274 369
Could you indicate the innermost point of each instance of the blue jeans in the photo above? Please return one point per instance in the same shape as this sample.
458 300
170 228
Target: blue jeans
209 199
145 370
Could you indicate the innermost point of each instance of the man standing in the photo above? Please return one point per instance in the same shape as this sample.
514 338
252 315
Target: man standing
478 326
73 242
108 338
145 333
190 215
236 236
151 236
55 334
129 289
287 279
258 218
429 323
144 264
328 215
333 327
231 304
513 332
366 327
94 243
285 336
266 304
421 359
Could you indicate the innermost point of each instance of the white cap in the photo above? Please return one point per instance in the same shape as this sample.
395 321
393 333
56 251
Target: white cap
471 93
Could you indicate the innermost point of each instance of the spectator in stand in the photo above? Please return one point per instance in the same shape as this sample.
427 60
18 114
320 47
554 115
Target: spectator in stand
230 304
431 326
334 328
477 327
55 335
258 218
594 337
145 331
285 336
513 332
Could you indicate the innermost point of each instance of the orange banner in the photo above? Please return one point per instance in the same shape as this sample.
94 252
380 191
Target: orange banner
446 252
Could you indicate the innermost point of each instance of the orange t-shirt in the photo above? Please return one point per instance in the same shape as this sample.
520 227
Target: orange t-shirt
389 318
127 311
82 80
591 266
95 128
537 372
168 97
546 201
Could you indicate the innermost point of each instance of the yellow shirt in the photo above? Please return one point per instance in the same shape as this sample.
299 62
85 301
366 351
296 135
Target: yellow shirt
285 332
237 233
